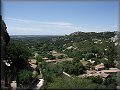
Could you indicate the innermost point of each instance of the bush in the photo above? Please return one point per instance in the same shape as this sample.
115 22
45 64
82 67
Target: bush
39 58
96 79
60 57
110 81
51 57
25 76
69 83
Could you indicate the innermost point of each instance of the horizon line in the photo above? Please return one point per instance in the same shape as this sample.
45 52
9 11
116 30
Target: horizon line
64 34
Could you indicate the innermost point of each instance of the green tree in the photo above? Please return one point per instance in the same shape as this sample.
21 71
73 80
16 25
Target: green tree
88 65
75 67
76 60
25 76
18 54
68 83
39 58
109 64
51 57
96 79
51 71
60 57
111 80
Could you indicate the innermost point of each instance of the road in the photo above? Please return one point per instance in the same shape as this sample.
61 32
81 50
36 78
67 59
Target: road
67 74
40 84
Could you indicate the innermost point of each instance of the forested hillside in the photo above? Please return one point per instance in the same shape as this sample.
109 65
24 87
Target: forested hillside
75 54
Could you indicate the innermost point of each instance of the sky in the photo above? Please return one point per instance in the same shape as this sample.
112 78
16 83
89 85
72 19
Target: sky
59 17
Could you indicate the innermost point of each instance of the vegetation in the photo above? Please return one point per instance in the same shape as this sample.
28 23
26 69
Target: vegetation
68 83
60 57
96 79
81 47
17 55
25 77
76 83
75 67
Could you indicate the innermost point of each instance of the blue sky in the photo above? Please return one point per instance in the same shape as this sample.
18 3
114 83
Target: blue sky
59 18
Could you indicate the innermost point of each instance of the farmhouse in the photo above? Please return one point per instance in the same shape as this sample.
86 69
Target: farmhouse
99 67
51 61
111 70
33 65
45 58
53 52
32 61
91 71
103 75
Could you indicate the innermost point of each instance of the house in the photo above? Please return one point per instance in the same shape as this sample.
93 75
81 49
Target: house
33 64
51 61
91 61
91 71
69 47
53 52
103 75
45 58
32 61
35 55
99 67
114 69
111 70
100 72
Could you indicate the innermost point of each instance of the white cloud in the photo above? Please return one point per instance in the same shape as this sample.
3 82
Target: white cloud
21 26
32 27
38 22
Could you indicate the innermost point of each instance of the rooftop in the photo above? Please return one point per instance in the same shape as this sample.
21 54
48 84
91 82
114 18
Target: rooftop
32 61
50 60
104 75
45 58
100 66
33 66
111 71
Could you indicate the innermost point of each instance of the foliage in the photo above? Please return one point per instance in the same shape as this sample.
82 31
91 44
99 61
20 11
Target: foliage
18 54
90 45
76 83
118 79
96 79
17 51
76 60
39 58
60 57
109 64
111 80
51 57
88 65
51 71
75 67
25 76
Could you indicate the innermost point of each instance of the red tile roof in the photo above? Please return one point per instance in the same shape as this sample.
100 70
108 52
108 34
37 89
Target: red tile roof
50 60
99 66
111 71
